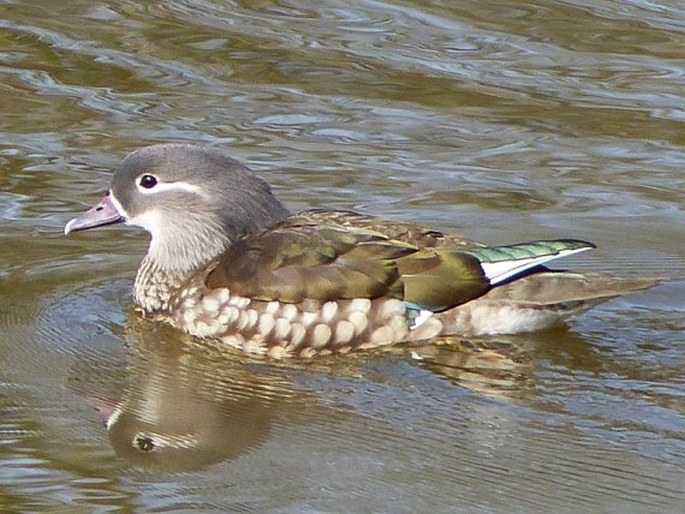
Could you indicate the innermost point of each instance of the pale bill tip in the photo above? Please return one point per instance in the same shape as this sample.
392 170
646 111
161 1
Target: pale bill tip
67 227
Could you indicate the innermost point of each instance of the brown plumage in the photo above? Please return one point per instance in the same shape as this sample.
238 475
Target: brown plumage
228 261
301 259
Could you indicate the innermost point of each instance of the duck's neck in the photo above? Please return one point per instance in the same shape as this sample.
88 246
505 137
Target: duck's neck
164 271
155 286
188 245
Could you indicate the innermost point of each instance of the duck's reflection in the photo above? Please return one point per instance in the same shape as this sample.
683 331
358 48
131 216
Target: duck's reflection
184 411
494 367
507 366
174 404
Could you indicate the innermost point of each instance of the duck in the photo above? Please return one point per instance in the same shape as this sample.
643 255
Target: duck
228 262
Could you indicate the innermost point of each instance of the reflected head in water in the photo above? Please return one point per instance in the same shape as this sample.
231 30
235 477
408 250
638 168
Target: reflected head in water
170 407
228 262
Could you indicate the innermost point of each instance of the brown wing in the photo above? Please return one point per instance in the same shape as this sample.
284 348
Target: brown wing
308 257
412 233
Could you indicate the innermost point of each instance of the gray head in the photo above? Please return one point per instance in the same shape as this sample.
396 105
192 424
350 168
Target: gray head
194 201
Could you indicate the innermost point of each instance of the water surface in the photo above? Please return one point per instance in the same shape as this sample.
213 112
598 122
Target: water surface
504 121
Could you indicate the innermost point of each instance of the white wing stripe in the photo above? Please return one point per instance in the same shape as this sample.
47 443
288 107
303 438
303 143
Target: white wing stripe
497 272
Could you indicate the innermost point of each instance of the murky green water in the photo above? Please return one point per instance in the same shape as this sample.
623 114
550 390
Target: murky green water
504 121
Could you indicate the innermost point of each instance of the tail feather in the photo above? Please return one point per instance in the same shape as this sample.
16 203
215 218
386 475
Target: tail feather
537 301
549 288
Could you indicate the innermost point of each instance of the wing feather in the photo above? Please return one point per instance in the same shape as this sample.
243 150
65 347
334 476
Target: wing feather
345 258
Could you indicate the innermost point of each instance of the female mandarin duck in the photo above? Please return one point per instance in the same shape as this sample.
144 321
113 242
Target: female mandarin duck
228 261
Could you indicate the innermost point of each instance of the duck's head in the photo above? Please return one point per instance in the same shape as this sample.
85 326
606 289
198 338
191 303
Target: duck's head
194 201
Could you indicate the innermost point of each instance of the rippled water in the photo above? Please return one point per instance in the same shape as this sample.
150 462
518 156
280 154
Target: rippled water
504 121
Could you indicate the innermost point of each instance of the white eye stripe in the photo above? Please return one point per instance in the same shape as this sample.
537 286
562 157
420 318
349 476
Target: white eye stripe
162 187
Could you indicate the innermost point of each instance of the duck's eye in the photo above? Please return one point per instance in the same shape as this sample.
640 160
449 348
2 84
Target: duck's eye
148 181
